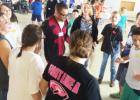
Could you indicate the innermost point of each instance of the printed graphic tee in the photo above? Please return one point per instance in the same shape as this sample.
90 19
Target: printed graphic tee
69 80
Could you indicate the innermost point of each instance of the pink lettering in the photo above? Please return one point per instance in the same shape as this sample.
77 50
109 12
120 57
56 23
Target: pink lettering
76 88
59 74
55 72
63 78
51 68
68 82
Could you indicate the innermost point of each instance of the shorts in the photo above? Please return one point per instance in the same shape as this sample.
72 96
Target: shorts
128 93
121 73
38 17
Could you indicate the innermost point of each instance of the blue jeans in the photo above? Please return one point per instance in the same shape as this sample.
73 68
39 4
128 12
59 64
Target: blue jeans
112 66
3 94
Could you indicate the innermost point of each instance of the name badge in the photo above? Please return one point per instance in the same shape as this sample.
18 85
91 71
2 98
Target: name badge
60 34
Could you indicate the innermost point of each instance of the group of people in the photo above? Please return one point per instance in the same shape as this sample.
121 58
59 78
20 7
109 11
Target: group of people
23 75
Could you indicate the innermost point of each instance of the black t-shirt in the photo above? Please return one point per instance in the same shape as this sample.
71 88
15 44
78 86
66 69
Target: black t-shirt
112 38
68 80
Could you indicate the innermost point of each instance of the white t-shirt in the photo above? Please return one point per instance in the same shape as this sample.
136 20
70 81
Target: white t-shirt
133 69
25 74
61 24
14 35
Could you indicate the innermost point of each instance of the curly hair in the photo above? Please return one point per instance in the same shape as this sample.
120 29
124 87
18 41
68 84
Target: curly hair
80 44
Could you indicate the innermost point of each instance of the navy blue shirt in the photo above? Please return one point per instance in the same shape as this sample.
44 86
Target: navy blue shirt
69 80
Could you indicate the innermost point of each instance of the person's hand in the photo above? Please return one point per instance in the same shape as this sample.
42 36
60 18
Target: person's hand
94 44
136 77
119 60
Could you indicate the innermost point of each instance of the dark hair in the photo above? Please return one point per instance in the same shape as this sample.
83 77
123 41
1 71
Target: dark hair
136 31
137 15
76 10
92 2
1 14
80 44
30 36
60 6
37 0
13 16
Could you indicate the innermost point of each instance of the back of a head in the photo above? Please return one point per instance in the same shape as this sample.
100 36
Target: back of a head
136 31
80 44
92 2
60 6
31 35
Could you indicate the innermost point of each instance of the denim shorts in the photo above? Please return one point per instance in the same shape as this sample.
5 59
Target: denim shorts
38 17
121 73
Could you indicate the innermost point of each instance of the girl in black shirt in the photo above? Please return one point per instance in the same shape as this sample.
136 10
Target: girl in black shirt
66 78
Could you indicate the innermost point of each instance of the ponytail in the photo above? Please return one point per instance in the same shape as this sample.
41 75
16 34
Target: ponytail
20 52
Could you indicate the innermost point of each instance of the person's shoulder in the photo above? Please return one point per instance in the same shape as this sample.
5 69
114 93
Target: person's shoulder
78 18
84 74
119 28
94 81
35 56
109 25
58 59
133 27
4 44
37 60
14 52
33 3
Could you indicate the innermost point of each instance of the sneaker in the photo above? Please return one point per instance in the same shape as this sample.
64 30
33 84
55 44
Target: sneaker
112 84
115 95
100 80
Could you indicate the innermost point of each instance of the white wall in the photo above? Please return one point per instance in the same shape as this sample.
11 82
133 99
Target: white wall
137 6
114 4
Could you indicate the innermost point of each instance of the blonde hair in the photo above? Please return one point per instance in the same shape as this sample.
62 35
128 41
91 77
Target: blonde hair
80 44
115 13
90 8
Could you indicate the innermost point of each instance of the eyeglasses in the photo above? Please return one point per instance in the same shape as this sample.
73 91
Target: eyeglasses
64 15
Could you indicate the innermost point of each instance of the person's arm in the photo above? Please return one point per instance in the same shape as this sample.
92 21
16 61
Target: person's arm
103 34
4 52
137 77
32 6
45 27
34 77
43 85
37 96
75 25
93 91
122 59
94 33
